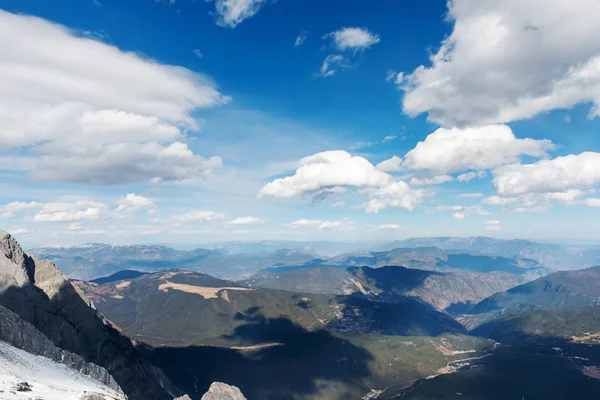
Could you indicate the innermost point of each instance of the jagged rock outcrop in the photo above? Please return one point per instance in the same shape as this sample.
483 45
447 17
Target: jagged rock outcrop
223 391
24 336
39 294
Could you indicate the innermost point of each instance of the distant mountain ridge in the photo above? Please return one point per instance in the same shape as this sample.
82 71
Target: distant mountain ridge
238 260
94 260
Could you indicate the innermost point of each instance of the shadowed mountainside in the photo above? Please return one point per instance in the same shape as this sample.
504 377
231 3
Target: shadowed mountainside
558 290
40 295
187 308
443 290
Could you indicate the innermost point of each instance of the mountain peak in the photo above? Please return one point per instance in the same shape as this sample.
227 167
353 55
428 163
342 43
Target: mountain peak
12 251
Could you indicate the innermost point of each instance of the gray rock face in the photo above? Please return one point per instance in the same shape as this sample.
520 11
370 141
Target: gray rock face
24 336
222 391
40 295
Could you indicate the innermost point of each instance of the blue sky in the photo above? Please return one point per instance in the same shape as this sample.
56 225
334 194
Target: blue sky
192 121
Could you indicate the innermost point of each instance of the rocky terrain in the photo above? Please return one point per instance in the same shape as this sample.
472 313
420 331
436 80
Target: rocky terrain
42 297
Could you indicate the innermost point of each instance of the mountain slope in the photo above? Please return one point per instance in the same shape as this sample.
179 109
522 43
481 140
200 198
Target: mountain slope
580 325
40 295
187 308
443 290
558 290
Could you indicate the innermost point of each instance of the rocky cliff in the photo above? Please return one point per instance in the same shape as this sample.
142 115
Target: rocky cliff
46 300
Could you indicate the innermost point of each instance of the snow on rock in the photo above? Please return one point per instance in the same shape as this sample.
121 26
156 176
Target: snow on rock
46 379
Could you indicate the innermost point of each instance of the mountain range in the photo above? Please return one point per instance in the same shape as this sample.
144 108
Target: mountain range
416 322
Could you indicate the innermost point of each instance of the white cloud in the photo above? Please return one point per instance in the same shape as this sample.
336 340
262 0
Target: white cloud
87 112
18 231
79 229
509 60
559 174
246 221
535 202
397 194
231 13
390 165
331 63
592 202
460 212
133 203
194 217
436 180
468 176
470 195
344 224
198 53
353 39
300 39
338 204
71 211
337 172
11 209
389 138
459 215
492 222
453 150
388 227
325 170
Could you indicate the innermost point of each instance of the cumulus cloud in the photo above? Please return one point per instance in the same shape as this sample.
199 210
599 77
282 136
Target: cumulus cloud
509 60
133 203
453 150
337 172
86 111
459 215
352 39
559 174
397 194
390 165
344 224
470 195
325 170
592 202
11 209
435 180
231 13
300 39
246 221
71 211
